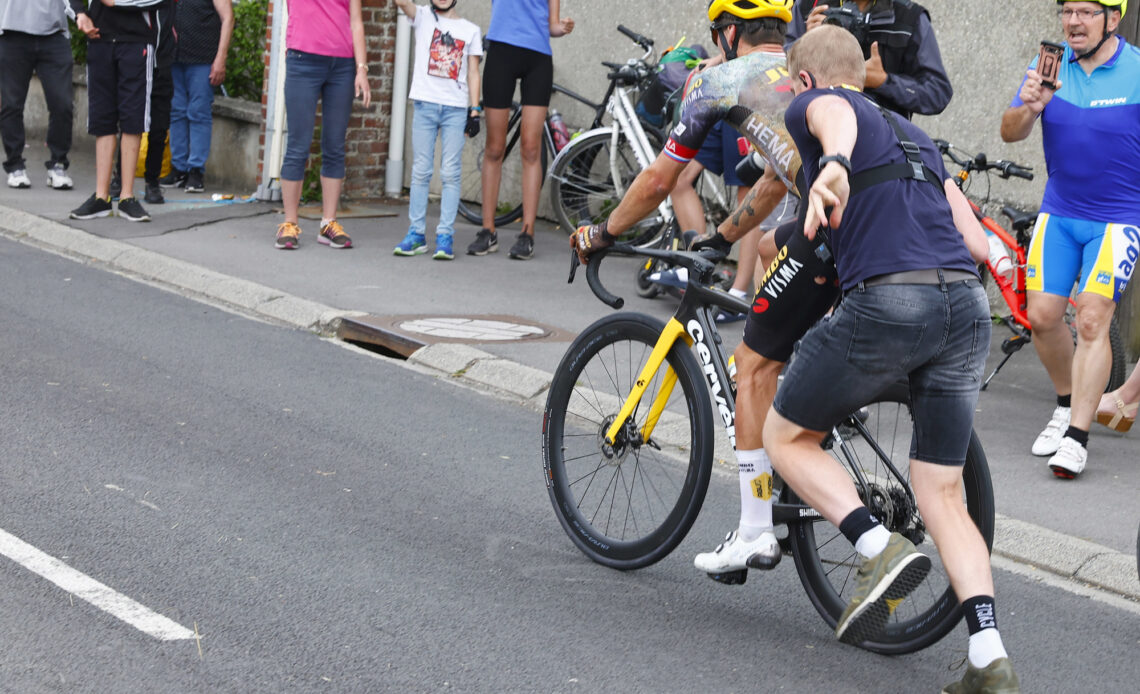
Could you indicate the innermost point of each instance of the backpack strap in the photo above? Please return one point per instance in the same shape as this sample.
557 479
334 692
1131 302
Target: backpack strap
913 167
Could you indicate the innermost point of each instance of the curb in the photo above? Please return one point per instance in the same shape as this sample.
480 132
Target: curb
1065 556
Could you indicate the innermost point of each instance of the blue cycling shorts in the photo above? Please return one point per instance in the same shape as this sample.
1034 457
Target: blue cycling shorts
1064 249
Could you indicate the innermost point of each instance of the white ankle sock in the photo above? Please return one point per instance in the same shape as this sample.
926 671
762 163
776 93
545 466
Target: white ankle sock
985 648
739 293
325 222
755 493
871 543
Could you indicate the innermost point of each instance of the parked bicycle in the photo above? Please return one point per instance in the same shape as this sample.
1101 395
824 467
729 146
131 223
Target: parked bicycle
1011 283
628 448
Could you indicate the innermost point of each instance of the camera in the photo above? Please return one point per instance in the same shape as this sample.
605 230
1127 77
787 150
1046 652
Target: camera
852 20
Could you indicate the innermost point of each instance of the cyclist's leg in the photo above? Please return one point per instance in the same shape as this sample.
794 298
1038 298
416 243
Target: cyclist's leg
770 334
686 203
535 88
1052 267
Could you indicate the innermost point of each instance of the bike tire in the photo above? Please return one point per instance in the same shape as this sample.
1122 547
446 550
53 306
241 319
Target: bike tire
582 188
827 563
509 206
629 505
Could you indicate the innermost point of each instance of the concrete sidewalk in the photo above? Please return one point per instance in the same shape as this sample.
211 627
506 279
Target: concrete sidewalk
501 326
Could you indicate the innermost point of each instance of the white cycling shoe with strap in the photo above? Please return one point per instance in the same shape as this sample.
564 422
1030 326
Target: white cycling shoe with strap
737 555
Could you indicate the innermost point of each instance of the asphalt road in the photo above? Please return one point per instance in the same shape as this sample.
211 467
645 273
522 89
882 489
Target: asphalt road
327 520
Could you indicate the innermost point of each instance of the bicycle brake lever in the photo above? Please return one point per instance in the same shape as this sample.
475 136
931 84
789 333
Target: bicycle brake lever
573 265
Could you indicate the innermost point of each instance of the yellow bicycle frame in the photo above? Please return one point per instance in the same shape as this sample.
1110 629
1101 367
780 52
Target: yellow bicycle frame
672 332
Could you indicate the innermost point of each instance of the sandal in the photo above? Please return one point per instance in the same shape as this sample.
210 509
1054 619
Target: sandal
1122 419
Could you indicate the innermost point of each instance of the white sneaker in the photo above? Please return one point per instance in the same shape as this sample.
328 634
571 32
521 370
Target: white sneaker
1069 460
1049 440
19 179
58 179
734 554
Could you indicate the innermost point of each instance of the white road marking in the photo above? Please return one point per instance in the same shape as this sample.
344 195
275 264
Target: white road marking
83 586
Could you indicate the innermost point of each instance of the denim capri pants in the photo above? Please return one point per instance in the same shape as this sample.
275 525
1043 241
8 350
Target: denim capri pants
309 78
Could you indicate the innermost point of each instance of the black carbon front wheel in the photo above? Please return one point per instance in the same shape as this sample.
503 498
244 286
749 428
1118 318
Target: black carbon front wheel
628 504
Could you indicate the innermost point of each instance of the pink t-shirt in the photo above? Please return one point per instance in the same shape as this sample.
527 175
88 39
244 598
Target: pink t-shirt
322 27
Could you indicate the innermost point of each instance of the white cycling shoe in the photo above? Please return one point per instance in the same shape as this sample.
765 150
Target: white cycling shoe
1049 440
736 555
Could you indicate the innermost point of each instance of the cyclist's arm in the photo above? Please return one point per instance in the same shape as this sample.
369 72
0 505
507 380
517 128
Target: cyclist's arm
647 191
968 225
755 207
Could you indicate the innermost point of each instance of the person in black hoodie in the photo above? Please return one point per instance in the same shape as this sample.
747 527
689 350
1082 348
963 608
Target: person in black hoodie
121 40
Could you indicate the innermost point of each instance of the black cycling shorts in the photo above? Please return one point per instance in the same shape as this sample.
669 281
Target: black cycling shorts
789 301
506 64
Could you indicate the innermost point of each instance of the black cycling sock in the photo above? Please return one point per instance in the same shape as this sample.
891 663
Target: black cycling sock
980 613
1065 400
856 523
1081 437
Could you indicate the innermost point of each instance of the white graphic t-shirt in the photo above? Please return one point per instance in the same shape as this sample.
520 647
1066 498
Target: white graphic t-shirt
443 46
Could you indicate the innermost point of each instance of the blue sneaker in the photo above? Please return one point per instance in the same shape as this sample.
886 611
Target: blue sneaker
443 247
413 244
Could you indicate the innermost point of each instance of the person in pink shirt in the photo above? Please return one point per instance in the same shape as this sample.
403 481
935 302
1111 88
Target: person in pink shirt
325 61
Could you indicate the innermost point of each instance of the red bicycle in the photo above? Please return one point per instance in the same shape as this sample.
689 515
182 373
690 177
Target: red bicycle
1010 283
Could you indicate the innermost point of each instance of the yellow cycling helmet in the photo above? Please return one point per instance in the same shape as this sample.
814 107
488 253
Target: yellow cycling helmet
753 9
1122 5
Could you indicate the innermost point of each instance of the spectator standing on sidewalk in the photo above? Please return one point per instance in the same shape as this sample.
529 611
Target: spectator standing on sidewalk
161 92
518 51
204 29
325 61
1089 226
121 36
34 38
445 99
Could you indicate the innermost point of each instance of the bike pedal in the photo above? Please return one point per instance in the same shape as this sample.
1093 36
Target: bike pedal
1011 344
731 578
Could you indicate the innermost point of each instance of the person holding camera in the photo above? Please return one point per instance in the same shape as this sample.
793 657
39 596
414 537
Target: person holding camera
905 244
445 102
1089 226
904 66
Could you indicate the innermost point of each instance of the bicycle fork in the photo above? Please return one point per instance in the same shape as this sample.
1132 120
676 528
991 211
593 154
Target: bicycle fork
672 332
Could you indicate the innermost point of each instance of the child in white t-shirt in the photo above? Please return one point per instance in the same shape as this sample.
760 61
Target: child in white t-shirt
445 98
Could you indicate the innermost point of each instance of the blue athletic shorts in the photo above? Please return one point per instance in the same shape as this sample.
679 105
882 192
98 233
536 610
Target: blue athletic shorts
720 154
1064 249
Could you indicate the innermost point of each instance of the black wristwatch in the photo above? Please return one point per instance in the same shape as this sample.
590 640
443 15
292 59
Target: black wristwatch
843 161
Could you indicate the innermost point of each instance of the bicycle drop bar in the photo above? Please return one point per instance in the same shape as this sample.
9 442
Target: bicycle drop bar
637 38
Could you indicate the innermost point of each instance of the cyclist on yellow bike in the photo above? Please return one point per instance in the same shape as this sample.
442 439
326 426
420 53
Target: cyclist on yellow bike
750 91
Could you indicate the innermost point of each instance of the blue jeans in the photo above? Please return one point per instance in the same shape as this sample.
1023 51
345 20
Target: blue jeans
935 336
191 116
429 119
309 78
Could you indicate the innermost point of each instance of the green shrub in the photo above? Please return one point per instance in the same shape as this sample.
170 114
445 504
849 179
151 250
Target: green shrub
245 64
78 43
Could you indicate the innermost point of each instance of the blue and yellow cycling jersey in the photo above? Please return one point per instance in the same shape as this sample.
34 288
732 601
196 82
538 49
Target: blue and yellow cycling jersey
1091 134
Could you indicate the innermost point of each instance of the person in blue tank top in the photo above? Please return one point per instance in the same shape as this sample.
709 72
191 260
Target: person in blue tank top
518 50
905 243
1089 226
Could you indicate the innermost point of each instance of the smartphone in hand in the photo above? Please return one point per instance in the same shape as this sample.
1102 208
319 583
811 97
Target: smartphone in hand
1049 63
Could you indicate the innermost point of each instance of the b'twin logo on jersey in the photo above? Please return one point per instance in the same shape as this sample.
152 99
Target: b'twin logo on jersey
715 389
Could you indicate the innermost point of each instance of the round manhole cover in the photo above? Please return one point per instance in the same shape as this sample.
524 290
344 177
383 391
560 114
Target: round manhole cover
471 329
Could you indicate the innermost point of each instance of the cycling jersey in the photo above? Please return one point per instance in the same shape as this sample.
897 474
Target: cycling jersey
750 93
1091 135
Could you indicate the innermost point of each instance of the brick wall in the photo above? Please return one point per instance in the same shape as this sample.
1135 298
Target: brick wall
366 147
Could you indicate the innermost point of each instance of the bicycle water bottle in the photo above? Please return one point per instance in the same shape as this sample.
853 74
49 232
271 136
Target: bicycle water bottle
558 130
999 255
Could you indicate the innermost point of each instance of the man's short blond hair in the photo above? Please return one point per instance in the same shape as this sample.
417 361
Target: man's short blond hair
831 54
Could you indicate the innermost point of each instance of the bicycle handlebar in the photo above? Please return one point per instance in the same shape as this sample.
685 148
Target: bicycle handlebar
979 162
644 42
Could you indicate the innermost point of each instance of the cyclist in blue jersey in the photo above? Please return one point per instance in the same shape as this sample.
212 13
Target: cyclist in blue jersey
750 91
1089 227
905 244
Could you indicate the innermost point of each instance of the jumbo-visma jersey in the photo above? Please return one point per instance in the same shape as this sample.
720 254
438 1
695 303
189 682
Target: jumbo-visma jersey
756 90
1091 134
